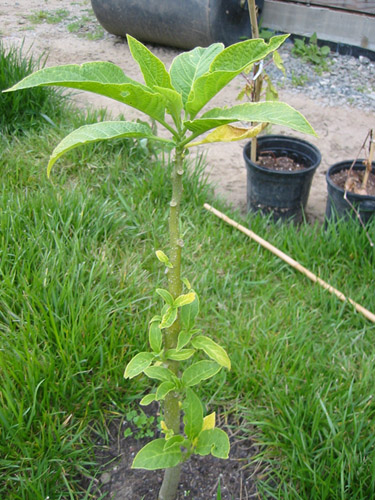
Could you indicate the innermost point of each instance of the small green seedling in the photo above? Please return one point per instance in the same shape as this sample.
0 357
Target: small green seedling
181 357
139 425
313 53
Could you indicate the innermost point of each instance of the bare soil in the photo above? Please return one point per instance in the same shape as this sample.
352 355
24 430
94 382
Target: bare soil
352 182
200 476
341 130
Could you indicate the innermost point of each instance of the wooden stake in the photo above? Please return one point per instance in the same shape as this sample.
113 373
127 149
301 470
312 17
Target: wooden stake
368 314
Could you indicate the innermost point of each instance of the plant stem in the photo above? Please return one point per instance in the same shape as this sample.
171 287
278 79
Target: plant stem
168 490
258 81
369 160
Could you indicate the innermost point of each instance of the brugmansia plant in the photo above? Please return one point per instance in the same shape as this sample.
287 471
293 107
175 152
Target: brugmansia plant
175 99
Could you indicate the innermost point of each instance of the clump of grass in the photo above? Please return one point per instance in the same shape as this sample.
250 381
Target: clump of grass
30 108
50 17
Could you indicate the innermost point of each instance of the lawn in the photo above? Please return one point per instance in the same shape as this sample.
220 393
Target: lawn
78 273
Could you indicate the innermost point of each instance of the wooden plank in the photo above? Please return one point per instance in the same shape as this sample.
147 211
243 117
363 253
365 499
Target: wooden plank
359 6
331 25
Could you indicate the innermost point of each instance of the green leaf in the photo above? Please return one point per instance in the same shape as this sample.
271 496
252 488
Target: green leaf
159 373
199 371
187 67
165 295
155 337
212 349
153 456
214 441
186 282
278 62
176 440
277 113
148 399
152 67
238 56
138 364
163 389
183 300
99 132
179 355
188 313
183 339
163 258
144 99
173 102
169 317
193 414
227 65
102 78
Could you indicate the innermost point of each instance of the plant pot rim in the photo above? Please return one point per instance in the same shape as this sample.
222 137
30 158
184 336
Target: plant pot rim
283 138
345 165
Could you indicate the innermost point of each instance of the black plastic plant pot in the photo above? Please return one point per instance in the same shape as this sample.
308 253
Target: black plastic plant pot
339 205
184 23
283 194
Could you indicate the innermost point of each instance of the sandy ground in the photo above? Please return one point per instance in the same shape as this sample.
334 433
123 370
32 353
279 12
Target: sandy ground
341 130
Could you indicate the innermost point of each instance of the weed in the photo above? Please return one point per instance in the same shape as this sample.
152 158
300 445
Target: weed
299 80
313 53
50 17
139 424
96 34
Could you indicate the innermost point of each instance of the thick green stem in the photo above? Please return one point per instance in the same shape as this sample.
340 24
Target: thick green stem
168 490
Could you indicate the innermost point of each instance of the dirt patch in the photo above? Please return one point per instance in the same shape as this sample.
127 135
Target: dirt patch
340 130
200 476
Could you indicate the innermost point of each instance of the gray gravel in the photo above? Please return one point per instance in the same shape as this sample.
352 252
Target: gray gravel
349 81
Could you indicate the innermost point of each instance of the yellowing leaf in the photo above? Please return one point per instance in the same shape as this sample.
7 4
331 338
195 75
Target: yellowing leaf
278 62
209 422
230 133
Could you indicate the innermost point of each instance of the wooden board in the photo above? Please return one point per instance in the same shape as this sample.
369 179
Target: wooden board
359 6
331 25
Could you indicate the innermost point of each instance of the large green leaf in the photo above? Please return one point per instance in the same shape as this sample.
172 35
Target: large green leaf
187 67
214 441
154 456
152 67
242 54
188 314
102 78
193 414
212 349
159 373
139 363
144 99
98 132
227 65
199 371
277 113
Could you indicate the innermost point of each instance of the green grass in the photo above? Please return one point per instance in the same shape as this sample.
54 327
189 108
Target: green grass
31 108
50 17
77 280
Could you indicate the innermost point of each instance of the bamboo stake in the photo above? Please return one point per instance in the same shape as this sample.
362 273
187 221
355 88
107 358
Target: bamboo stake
368 314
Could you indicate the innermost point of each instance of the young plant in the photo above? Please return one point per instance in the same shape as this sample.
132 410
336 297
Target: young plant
311 52
260 80
175 99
